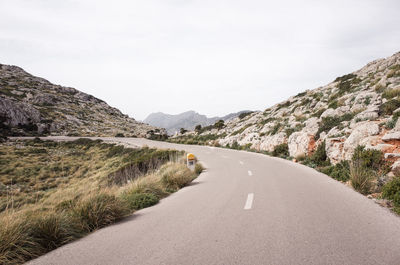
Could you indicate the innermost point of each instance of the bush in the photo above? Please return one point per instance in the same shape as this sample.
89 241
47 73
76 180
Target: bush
119 135
176 177
99 210
319 157
244 114
370 159
198 168
360 178
219 124
345 78
51 230
340 171
391 93
281 150
137 201
326 124
389 107
16 246
149 184
391 191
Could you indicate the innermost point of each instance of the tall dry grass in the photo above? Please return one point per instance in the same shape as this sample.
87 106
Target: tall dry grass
84 205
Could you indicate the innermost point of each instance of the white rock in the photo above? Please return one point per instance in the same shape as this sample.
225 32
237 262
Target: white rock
362 130
269 142
298 144
311 126
334 149
391 136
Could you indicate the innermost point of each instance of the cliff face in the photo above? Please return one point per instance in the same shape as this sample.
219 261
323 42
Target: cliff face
31 105
360 108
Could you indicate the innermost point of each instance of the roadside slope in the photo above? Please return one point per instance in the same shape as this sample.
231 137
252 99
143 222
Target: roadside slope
298 216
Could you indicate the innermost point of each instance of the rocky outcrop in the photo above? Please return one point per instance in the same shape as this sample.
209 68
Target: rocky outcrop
360 132
360 108
31 105
298 144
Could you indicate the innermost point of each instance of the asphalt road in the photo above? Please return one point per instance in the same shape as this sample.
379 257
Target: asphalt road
246 208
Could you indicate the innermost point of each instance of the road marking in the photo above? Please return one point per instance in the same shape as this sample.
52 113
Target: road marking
250 173
241 162
249 201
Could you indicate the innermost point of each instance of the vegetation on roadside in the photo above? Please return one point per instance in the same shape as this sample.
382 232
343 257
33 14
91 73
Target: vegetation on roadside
64 203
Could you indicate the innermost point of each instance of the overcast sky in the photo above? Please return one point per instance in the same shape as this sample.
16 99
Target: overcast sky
214 57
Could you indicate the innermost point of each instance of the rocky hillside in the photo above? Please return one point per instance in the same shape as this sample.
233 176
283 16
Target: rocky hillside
31 105
360 108
187 120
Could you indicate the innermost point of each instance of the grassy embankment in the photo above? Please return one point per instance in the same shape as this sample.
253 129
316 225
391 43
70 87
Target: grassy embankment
53 193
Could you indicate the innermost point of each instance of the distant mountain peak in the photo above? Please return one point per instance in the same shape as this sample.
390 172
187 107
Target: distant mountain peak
187 120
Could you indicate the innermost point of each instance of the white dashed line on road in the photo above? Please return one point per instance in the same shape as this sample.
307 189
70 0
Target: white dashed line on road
249 201
250 173
241 162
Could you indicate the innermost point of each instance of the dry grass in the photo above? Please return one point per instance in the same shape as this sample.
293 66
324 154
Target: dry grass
82 202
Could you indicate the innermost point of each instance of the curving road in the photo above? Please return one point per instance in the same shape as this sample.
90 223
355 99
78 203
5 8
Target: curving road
246 208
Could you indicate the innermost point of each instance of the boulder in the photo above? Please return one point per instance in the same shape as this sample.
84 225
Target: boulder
268 143
391 136
298 144
334 149
311 126
361 131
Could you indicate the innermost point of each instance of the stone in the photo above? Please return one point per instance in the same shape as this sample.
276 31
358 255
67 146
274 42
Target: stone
334 149
361 130
391 136
298 144
269 142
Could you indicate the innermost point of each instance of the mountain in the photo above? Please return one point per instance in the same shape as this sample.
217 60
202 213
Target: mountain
31 105
360 108
187 120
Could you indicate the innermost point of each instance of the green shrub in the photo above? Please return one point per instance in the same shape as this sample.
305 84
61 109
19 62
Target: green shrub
392 122
219 124
244 114
391 191
318 113
137 201
360 178
345 78
99 210
119 135
327 124
370 159
281 150
333 104
319 157
389 107
366 163
340 171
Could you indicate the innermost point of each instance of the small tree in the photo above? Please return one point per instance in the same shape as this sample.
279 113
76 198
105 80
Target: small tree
219 124
197 128
182 130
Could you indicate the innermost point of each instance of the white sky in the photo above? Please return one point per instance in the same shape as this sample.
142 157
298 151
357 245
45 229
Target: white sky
214 57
